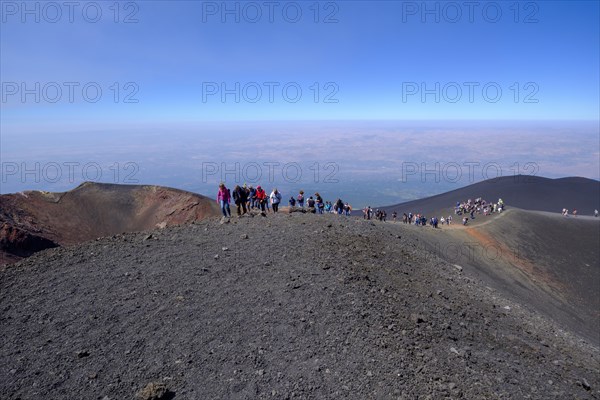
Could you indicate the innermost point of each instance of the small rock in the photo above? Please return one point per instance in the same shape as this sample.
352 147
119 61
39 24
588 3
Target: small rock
244 236
453 350
417 318
267 263
153 391
82 354
216 257
148 237
225 248
585 384
458 267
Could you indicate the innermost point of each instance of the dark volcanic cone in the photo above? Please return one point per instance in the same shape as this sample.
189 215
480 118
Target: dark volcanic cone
521 191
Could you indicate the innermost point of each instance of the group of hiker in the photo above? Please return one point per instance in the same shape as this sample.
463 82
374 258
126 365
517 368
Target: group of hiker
479 206
247 198
565 212
466 209
407 218
317 205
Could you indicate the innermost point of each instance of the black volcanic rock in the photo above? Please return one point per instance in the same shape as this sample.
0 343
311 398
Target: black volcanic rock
296 310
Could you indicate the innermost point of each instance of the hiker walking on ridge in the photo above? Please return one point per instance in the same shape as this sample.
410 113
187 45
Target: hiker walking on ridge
261 199
339 206
239 197
346 209
275 200
292 201
223 200
300 199
319 203
311 204
251 198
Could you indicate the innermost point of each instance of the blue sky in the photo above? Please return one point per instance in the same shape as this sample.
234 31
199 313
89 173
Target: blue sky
374 58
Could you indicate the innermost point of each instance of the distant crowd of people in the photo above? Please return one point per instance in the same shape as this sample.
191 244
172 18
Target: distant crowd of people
247 198
479 206
466 209
565 212
407 218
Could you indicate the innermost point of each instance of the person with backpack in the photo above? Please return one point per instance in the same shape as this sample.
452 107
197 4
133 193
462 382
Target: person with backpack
311 204
252 198
223 200
275 199
261 199
239 197
319 203
292 201
339 206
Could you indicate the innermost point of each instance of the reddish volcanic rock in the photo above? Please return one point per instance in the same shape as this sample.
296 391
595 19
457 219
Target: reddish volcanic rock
33 221
21 243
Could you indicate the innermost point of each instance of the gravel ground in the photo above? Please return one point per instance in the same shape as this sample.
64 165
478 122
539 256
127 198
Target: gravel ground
287 306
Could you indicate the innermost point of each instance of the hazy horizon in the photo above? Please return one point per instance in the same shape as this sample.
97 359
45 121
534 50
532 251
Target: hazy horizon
369 162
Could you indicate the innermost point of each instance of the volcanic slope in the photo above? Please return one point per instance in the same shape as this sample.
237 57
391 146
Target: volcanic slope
33 220
545 260
521 191
285 306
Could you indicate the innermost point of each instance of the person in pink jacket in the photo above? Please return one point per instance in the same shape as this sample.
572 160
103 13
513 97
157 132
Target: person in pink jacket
223 198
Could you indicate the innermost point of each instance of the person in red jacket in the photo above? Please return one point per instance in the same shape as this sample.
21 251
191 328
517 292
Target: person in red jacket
261 198
223 198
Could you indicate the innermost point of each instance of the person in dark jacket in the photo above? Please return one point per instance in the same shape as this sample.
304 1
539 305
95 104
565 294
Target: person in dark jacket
240 198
